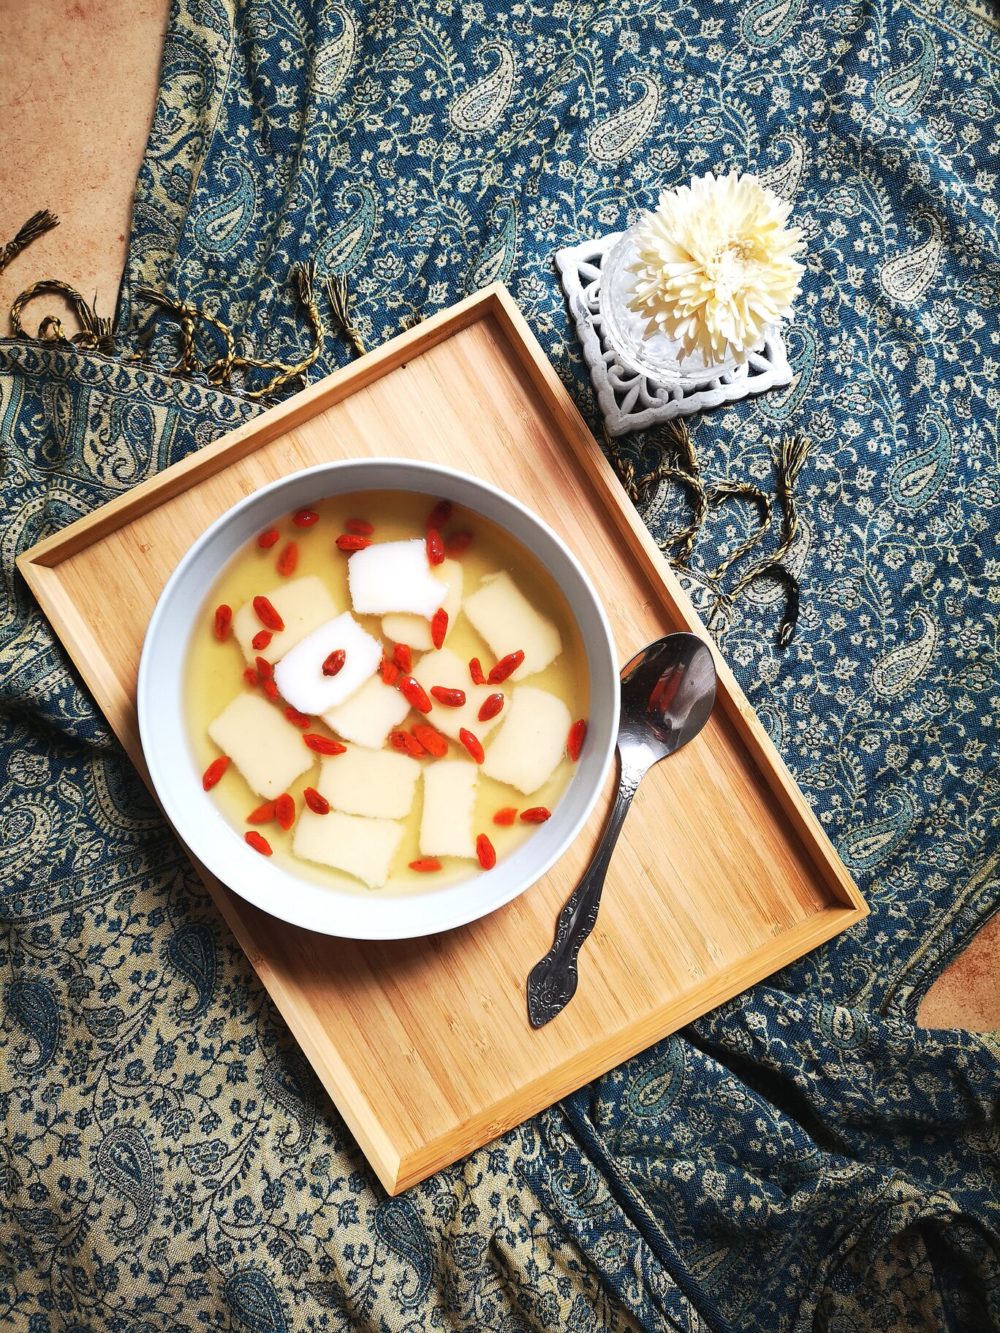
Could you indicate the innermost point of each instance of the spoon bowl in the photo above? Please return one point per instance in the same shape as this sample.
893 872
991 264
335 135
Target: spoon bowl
667 696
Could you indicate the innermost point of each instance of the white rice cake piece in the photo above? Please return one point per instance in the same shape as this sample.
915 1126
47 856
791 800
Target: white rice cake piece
445 668
303 604
299 675
393 576
501 613
415 630
367 717
362 847
446 822
532 742
378 783
268 752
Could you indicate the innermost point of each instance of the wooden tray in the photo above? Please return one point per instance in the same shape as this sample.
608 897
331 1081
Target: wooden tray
722 876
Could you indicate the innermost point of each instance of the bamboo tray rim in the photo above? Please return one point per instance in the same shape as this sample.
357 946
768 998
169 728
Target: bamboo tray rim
845 906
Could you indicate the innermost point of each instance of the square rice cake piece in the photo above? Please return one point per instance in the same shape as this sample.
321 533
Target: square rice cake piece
443 667
416 630
377 783
532 741
367 717
299 675
501 613
361 847
446 821
393 576
303 604
267 750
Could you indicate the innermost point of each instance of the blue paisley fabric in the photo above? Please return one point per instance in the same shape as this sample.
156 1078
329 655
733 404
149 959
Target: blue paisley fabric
804 1157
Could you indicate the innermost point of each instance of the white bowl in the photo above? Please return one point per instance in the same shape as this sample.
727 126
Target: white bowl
177 778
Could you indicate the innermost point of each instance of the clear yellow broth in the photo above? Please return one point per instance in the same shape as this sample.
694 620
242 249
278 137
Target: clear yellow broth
214 674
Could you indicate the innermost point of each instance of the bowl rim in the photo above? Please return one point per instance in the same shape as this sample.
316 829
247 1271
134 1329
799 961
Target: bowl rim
231 867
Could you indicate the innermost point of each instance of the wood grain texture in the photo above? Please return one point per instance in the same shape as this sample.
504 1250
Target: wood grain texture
722 875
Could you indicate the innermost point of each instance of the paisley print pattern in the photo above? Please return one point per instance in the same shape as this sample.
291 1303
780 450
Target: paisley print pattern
803 1157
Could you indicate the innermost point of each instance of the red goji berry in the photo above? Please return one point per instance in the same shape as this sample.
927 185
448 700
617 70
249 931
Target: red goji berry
296 718
486 852
258 842
538 814
407 744
334 664
323 744
432 741
439 515
264 668
506 816
349 541
472 744
317 803
251 677
426 864
260 640
476 671
450 698
389 671
284 810
490 706
360 527
214 772
415 694
288 560
439 627
305 518
267 615
270 689
505 667
435 546
268 539
262 815
574 741
402 655
222 622
457 544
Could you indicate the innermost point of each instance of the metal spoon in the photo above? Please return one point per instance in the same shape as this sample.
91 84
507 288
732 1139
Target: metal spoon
668 692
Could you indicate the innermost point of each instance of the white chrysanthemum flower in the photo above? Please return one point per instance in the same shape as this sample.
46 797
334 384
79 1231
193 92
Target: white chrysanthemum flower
715 265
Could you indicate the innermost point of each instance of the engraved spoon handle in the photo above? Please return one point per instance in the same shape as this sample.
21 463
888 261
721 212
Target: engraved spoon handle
552 981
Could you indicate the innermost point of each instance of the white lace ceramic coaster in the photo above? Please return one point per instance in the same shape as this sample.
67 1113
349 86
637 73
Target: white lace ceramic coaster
628 400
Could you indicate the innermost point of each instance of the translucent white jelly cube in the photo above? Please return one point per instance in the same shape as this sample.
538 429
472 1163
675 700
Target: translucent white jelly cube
393 576
369 714
415 630
446 821
444 667
299 674
532 741
362 847
303 604
266 749
377 783
501 613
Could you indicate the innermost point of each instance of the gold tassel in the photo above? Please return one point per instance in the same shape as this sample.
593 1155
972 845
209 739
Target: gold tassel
340 308
791 459
37 225
95 330
741 490
220 369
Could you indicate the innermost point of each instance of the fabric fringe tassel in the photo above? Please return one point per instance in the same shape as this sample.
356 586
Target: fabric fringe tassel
95 330
791 458
219 370
338 295
37 225
686 473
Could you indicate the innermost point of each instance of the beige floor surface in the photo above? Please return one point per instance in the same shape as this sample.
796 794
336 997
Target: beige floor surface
78 81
